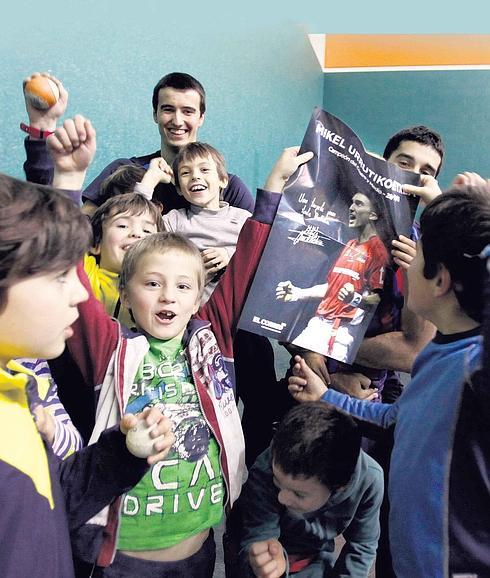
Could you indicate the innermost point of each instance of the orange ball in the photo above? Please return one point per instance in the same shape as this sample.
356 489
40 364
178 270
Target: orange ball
41 92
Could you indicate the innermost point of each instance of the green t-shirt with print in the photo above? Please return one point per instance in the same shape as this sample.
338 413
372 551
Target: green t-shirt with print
183 494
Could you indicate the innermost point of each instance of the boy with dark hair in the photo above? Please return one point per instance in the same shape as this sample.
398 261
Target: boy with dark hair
438 467
117 224
121 181
42 237
133 179
179 81
400 151
312 484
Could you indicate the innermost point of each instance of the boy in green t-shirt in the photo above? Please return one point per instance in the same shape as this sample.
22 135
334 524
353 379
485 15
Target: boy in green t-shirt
182 360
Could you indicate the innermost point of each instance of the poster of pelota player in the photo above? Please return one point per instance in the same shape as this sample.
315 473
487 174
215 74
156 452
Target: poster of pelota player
324 267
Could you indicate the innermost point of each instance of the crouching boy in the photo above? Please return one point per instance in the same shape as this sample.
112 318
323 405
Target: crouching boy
42 237
312 484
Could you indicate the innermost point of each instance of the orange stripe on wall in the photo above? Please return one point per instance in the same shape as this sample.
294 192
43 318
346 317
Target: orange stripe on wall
370 50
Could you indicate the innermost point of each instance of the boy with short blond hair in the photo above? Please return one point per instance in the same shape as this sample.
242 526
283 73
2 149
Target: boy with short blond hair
181 359
42 237
439 467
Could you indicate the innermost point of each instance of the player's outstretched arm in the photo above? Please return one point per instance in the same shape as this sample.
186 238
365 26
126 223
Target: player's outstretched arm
286 291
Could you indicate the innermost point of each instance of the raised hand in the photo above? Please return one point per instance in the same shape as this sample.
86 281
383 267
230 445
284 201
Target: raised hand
72 147
468 178
285 166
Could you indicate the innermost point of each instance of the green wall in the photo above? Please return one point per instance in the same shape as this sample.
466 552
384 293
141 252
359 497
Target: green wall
454 103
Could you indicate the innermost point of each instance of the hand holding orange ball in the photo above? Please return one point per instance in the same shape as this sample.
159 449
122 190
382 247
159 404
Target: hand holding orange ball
41 92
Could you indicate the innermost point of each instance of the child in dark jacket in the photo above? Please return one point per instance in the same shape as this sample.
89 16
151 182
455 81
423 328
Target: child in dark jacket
312 484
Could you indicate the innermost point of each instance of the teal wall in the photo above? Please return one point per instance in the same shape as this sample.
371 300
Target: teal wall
255 62
454 103
262 81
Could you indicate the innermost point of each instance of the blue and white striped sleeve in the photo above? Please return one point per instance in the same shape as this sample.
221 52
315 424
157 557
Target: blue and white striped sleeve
67 439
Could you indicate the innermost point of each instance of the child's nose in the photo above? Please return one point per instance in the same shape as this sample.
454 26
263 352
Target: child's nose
283 498
167 295
79 293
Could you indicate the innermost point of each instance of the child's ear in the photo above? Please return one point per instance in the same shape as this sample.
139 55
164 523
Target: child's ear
223 182
124 297
95 250
197 304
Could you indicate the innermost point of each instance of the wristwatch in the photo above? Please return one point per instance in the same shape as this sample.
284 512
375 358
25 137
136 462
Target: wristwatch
35 132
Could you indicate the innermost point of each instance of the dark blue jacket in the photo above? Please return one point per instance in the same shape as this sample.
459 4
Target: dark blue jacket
352 511
235 193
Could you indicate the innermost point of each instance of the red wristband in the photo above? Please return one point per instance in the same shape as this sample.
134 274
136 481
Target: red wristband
35 132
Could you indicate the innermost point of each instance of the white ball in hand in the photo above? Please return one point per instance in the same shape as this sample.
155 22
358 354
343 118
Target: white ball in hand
139 441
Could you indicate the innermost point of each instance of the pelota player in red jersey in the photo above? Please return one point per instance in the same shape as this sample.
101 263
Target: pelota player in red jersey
353 284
